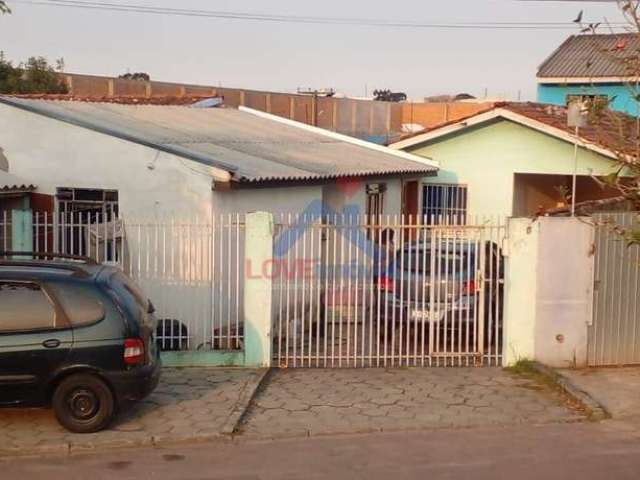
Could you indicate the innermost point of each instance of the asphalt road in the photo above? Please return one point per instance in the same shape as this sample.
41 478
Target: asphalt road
609 450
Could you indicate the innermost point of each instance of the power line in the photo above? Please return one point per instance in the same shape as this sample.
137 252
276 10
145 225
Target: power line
296 19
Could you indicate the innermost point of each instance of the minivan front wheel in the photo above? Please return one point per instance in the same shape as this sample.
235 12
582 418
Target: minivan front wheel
83 403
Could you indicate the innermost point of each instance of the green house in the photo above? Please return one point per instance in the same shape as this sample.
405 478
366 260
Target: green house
514 159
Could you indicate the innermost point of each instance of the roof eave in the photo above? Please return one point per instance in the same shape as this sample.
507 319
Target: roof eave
344 138
326 179
586 80
506 114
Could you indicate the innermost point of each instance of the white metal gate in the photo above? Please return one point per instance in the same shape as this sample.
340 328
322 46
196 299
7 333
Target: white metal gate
614 336
357 291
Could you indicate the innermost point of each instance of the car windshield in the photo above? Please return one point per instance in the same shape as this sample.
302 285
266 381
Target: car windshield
418 259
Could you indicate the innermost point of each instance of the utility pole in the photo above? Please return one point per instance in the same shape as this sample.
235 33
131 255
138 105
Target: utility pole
575 119
574 185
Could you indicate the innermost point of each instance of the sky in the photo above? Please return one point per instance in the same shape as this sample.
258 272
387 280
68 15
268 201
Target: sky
286 56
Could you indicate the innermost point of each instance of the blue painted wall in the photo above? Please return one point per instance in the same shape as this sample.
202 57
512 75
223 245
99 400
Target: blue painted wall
557 95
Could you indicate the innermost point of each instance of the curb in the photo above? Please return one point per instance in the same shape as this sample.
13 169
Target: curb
241 408
56 450
596 410
67 449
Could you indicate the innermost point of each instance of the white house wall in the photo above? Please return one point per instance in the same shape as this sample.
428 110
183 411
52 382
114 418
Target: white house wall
276 200
337 196
150 184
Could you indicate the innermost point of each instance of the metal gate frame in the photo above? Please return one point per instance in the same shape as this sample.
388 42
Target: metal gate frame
331 303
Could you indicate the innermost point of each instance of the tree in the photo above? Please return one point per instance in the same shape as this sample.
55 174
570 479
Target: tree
33 76
136 76
620 133
4 8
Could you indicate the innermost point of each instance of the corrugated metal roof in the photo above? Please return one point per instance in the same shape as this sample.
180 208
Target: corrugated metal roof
252 148
592 56
121 99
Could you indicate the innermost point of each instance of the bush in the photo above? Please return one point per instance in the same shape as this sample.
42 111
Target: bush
33 76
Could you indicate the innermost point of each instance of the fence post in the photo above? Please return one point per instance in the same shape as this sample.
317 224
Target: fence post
258 289
22 230
565 291
548 291
521 266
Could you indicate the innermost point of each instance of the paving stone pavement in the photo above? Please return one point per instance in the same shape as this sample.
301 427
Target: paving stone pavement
317 402
188 404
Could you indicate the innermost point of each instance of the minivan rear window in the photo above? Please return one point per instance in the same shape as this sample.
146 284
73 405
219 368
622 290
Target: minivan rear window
79 302
124 282
132 288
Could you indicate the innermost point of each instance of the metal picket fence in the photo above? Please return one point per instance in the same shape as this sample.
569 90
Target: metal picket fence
348 291
357 291
193 272
5 231
191 269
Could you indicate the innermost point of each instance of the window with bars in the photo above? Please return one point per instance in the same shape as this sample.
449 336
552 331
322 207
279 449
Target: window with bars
444 204
87 219
375 204
101 204
375 199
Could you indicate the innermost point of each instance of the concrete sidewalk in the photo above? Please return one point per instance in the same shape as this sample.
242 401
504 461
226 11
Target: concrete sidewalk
322 402
189 405
200 404
616 389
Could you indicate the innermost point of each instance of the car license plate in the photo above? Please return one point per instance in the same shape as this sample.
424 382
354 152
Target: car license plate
427 315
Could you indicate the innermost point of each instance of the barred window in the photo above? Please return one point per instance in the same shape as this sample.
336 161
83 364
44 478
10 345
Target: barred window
444 204
375 206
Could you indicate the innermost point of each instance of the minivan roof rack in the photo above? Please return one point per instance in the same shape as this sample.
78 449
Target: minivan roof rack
47 255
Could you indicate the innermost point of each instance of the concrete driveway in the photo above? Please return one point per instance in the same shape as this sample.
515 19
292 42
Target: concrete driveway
320 402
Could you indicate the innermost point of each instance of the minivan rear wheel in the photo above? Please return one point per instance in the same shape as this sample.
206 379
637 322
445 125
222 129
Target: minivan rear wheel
83 403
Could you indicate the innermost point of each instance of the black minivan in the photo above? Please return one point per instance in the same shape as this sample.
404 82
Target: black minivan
74 335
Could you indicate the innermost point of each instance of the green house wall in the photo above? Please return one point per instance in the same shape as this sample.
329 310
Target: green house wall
486 158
